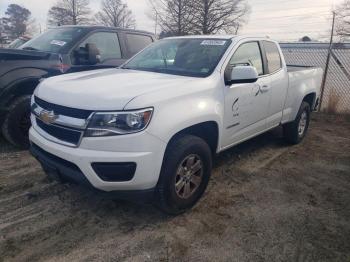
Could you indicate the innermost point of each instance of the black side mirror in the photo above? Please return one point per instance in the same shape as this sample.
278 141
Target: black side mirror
93 54
88 55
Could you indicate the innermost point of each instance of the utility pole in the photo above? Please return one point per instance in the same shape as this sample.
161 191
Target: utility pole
327 62
155 26
74 12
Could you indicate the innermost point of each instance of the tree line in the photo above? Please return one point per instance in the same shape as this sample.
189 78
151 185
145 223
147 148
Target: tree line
343 20
173 17
114 13
183 17
18 21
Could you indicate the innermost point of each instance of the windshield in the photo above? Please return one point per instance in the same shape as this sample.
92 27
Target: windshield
53 40
196 57
16 43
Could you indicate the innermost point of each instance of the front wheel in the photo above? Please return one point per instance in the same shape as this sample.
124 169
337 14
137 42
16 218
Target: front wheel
295 131
185 174
17 122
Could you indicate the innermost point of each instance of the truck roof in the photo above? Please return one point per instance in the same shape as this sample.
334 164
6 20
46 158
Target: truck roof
235 37
205 36
96 27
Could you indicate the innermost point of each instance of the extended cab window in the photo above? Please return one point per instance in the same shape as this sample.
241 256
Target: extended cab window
248 54
107 44
274 62
137 42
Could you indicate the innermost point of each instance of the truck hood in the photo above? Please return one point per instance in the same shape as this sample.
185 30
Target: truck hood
108 89
20 54
11 59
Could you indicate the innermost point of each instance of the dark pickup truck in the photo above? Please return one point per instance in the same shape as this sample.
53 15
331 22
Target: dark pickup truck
60 50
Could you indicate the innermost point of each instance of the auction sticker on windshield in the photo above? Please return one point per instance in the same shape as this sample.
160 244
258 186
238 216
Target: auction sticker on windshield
58 42
213 42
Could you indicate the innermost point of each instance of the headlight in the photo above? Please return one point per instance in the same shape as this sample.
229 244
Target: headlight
118 123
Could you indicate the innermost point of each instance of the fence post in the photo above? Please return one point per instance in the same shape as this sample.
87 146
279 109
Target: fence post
324 79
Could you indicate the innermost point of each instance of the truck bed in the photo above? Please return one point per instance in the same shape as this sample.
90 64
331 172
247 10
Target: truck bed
295 68
302 80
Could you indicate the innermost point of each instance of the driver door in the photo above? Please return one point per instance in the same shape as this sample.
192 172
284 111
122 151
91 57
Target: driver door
246 104
109 50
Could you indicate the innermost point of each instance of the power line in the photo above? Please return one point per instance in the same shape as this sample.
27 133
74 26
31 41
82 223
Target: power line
301 24
284 32
292 9
307 15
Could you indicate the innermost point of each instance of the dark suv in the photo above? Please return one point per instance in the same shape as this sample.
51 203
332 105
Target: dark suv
60 50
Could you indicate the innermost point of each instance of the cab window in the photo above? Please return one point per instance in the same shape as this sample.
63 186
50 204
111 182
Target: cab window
107 44
274 61
137 42
248 54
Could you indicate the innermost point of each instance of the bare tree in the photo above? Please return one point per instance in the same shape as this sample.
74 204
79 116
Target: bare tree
32 27
58 16
15 21
174 17
343 19
115 13
214 16
2 32
69 12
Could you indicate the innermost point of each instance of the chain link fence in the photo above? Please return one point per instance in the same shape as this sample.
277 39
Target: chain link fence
337 88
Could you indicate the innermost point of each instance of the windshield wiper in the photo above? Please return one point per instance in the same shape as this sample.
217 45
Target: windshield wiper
30 48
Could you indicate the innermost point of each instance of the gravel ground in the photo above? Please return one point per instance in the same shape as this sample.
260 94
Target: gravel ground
266 201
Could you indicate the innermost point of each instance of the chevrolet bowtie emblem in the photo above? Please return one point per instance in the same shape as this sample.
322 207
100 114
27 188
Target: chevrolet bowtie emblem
48 117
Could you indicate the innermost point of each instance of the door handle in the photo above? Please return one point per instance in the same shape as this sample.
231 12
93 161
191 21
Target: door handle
264 88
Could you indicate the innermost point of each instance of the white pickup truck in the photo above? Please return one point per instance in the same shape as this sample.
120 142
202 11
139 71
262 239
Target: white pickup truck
151 127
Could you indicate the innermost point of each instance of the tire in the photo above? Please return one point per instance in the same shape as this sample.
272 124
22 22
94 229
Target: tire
184 153
295 131
17 122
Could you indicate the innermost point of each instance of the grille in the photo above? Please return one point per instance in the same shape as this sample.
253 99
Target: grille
64 134
62 110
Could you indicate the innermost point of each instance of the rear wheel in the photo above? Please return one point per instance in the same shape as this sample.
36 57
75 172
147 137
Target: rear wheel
295 131
17 122
185 174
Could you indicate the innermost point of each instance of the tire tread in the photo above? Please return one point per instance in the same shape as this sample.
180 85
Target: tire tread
5 129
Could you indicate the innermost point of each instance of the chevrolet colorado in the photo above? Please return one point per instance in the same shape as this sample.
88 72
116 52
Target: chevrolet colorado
60 50
151 127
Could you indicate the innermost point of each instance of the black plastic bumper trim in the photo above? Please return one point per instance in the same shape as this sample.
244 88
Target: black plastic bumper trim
115 172
70 171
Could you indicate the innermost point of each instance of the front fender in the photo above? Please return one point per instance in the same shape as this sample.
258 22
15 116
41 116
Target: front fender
174 115
179 107
19 81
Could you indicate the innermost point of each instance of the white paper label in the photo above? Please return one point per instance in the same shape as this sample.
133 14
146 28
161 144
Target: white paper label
213 42
58 42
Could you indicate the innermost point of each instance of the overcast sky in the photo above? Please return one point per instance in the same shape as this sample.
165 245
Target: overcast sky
280 19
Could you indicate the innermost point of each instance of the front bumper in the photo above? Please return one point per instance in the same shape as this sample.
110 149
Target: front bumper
142 148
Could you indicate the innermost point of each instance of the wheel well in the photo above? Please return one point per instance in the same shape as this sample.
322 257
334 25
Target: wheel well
310 99
26 87
208 131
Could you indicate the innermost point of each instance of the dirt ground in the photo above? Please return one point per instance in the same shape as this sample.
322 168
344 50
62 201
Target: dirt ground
266 201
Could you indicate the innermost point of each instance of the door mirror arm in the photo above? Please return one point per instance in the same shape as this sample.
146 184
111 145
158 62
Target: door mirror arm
243 81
